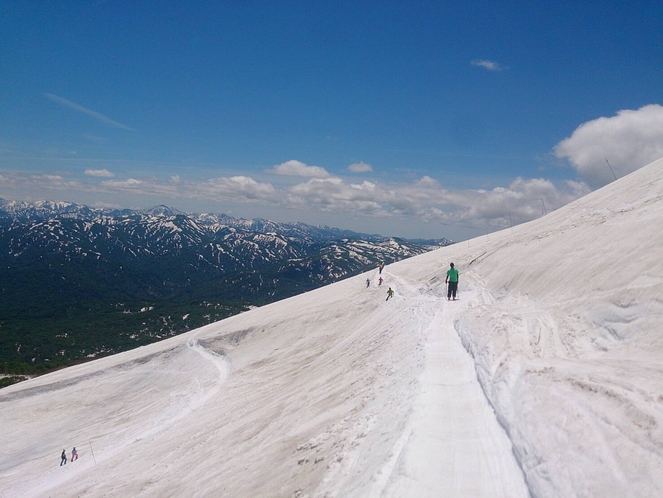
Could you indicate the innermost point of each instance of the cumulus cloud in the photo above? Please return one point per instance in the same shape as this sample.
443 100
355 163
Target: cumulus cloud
333 194
488 65
298 168
628 141
103 173
521 201
360 167
237 188
424 199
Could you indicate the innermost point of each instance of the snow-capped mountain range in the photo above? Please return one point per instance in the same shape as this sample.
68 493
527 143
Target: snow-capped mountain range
544 379
59 256
216 243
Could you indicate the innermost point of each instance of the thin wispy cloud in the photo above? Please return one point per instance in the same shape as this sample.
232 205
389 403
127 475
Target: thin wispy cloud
76 107
488 65
130 184
51 182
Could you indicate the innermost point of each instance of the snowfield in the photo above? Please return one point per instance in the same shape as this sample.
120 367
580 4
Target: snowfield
544 379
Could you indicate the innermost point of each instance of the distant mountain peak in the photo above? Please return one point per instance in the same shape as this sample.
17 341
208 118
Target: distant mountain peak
162 210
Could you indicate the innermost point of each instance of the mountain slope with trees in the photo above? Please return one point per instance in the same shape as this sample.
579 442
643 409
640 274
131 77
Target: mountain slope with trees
80 282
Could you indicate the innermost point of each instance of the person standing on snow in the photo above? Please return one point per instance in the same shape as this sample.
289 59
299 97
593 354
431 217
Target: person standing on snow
74 454
368 282
380 282
390 293
452 282
63 458
381 266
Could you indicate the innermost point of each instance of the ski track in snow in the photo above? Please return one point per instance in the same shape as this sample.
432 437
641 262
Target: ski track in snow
450 419
121 427
453 421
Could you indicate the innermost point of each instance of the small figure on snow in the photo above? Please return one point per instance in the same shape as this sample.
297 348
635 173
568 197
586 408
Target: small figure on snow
74 454
380 281
452 281
381 266
63 458
368 282
390 293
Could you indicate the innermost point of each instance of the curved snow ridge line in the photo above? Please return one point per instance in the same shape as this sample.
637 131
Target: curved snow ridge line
222 366
221 363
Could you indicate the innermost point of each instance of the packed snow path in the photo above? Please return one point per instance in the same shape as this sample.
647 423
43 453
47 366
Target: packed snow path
456 446
452 444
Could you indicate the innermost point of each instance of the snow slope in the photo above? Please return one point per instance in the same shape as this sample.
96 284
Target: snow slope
544 379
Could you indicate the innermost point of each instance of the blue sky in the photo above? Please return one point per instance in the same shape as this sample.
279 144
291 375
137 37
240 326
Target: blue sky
414 119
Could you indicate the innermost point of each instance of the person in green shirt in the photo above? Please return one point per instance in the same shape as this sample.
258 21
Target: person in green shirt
452 281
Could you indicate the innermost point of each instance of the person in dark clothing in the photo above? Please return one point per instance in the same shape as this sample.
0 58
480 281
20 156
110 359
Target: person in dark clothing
63 458
452 281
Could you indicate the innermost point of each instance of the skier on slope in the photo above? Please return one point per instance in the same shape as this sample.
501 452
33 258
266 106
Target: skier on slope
452 281
390 293
368 282
380 282
63 458
74 454
381 266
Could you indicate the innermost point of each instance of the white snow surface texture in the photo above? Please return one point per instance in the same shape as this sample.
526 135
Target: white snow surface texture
544 379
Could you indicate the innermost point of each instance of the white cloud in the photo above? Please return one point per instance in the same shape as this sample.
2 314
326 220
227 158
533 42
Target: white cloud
629 140
236 188
334 194
489 65
426 200
96 115
298 168
360 167
103 173
423 200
